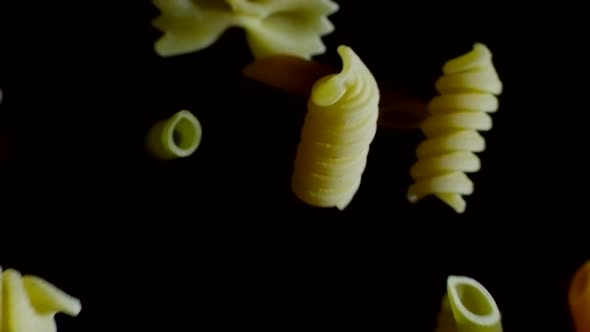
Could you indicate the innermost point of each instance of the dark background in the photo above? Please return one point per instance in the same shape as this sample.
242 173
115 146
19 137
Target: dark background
217 241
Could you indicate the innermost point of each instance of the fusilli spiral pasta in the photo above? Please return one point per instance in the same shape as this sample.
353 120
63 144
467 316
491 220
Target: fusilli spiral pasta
292 27
339 127
468 90
29 304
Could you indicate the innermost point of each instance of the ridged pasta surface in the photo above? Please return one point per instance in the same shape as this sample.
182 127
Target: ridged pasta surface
467 94
339 127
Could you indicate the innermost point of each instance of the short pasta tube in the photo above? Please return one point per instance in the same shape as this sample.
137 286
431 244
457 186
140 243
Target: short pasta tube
467 93
338 129
468 307
29 303
176 137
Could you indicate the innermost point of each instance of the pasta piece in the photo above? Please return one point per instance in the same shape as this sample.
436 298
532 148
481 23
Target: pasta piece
468 90
177 137
293 27
338 129
29 304
579 298
296 76
468 307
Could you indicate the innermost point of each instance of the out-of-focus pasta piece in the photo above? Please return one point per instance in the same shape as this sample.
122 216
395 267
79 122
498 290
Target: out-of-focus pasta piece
296 76
293 27
29 303
579 298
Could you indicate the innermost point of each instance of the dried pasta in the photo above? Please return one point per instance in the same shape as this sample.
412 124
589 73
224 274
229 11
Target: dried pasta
293 27
467 93
29 303
579 298
338 129
397 110
176 137
468 307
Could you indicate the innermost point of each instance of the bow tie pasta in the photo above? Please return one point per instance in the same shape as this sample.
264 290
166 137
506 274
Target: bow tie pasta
291 27
29 304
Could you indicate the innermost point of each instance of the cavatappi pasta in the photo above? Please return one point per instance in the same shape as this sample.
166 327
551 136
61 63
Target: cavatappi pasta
292 27
467 93
468 307
29 303
339 127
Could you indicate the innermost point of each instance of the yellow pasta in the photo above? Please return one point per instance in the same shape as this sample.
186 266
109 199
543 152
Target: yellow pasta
467 93
468 307
29 304
339 127
176 137
292 27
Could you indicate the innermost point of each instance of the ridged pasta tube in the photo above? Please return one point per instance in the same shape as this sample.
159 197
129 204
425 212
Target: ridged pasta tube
293 27
176 137
29 304
468 307
579 298
338 129
467 93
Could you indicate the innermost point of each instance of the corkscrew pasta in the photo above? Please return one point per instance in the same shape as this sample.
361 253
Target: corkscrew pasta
468 307
467 93
338 129
29 303
579 298
293 27
176 137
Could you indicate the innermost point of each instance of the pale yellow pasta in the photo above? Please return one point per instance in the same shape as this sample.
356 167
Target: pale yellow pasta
290 27
339 127
468 307
467 93
29 303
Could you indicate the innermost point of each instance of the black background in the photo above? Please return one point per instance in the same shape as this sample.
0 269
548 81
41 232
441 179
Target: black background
217 241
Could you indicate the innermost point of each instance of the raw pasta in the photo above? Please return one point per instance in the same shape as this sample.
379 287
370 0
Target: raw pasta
292 27
468 90
29 304
397 110
176 137
339 127
579 298
468 307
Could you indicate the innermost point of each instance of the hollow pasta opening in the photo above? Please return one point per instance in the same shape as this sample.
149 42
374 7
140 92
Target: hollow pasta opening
474 300
184 134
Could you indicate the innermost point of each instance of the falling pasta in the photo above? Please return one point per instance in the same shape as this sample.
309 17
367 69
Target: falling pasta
579 298
339 127
468 307
176 137
292 27
29 303
468 90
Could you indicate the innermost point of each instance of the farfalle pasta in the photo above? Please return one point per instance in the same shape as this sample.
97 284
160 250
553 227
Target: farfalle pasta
468 90
468 307
338 129
29 303
293 27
